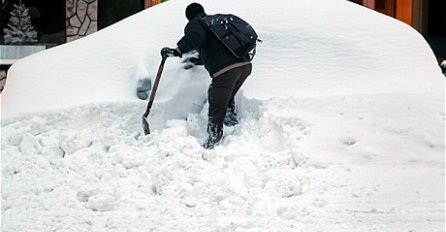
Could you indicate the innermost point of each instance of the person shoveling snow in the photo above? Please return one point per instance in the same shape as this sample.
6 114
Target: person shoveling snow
228 70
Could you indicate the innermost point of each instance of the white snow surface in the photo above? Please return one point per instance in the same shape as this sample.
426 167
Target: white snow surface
341 129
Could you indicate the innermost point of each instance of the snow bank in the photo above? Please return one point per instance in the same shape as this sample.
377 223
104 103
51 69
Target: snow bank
309 49
343 163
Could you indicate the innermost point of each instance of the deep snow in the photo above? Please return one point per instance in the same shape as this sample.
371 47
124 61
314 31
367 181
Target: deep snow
341 129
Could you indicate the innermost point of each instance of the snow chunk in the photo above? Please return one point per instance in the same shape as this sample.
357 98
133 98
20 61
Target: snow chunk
29 144
130 157
37 125
71 143
284 183
15 139
101 202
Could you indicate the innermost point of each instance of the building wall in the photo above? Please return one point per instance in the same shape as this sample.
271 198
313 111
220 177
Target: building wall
412 12
81 18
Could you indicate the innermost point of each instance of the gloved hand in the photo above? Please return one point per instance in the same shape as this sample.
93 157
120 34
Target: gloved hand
169 52
191 62
195 61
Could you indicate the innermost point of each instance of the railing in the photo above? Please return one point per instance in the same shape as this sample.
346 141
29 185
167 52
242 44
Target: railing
9 54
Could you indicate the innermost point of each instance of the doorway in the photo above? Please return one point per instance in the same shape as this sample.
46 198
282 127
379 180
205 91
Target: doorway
110 12
436 28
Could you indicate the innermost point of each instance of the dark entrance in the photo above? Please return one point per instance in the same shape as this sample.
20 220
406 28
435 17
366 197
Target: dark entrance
436 28
357 1
110 12
48 17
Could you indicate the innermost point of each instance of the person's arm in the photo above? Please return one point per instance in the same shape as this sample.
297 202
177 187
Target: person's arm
194 37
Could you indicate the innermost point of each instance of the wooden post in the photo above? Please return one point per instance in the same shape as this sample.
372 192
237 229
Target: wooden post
404 11
147 3
150 3
419 16
369 4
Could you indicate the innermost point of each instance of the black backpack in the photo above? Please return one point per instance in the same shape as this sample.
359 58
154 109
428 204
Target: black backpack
235 33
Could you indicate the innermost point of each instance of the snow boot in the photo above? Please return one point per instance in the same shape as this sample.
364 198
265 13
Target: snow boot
215 135
210 143
231 115
230 118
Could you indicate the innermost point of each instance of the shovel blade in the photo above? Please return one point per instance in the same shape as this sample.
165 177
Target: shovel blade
145 125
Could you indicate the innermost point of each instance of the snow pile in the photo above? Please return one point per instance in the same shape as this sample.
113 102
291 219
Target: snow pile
323 164
308 50
341 129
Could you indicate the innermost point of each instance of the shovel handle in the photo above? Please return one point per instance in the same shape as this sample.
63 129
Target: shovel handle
152 97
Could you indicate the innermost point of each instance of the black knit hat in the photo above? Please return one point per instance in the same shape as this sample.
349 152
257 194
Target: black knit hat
193 9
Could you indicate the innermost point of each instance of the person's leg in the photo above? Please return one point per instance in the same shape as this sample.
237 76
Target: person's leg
219 94
245 71
231 113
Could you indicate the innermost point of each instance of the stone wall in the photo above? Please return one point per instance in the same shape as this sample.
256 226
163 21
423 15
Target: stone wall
81 18
2 79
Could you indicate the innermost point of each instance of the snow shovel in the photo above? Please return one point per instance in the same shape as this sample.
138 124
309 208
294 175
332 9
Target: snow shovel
145 123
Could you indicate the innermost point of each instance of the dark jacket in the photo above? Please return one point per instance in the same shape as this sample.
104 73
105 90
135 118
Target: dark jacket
214 55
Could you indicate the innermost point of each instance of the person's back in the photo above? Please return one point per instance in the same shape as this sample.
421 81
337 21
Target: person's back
213 53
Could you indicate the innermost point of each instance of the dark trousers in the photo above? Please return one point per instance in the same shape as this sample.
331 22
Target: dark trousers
221 95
